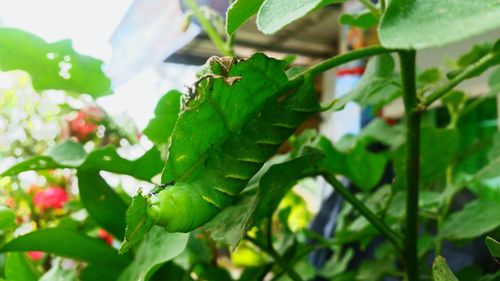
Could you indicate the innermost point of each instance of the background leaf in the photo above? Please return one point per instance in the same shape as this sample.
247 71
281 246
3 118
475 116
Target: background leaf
58 273
101 202
441 271
378 86
69 155
157 248
7 218
432 23
239 13
52 66
477 218
362 20
275 14
67 243
274 181
19 268
494 247
167 110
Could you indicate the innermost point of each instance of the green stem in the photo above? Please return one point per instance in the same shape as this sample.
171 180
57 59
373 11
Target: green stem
373 9
382 6
277 258
392 236
207 26
342 59
412 116
468 72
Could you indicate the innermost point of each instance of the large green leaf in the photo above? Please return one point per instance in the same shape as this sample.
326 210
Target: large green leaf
71 155
52 66
412 24
240 12
226 109
167 110
475 219
441 271
102 202
67 243
157 248
275 14
19 268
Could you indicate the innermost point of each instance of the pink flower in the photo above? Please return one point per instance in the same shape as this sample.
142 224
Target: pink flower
105 236
52 197
36 255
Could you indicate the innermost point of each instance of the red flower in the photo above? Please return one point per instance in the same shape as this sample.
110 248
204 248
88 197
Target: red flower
36 255
52 197
86 122
105 236
81 128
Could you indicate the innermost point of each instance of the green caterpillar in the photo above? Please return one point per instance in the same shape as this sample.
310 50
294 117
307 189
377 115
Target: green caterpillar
225 134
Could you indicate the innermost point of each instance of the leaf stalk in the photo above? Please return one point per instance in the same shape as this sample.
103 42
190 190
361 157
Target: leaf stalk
412 161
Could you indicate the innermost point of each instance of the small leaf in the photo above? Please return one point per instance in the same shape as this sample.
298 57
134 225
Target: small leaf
102 202
67 243
475 54
494 247
441 271
494 81
433 23
167 110
7 218
19 267
362 20
378 85
477 218
429 76
138 222
239 13
275 14
157 248
52 66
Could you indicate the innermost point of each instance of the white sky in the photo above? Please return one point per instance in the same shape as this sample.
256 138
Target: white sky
90 24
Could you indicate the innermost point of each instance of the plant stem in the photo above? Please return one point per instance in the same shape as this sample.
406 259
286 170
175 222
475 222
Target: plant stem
342 59
468 72
382 6
207 26
392 236
373 9
407 61
277 258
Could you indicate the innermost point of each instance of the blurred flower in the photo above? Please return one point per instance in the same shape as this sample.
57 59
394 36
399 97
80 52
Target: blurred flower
86 122
52 197
36 255
105 236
